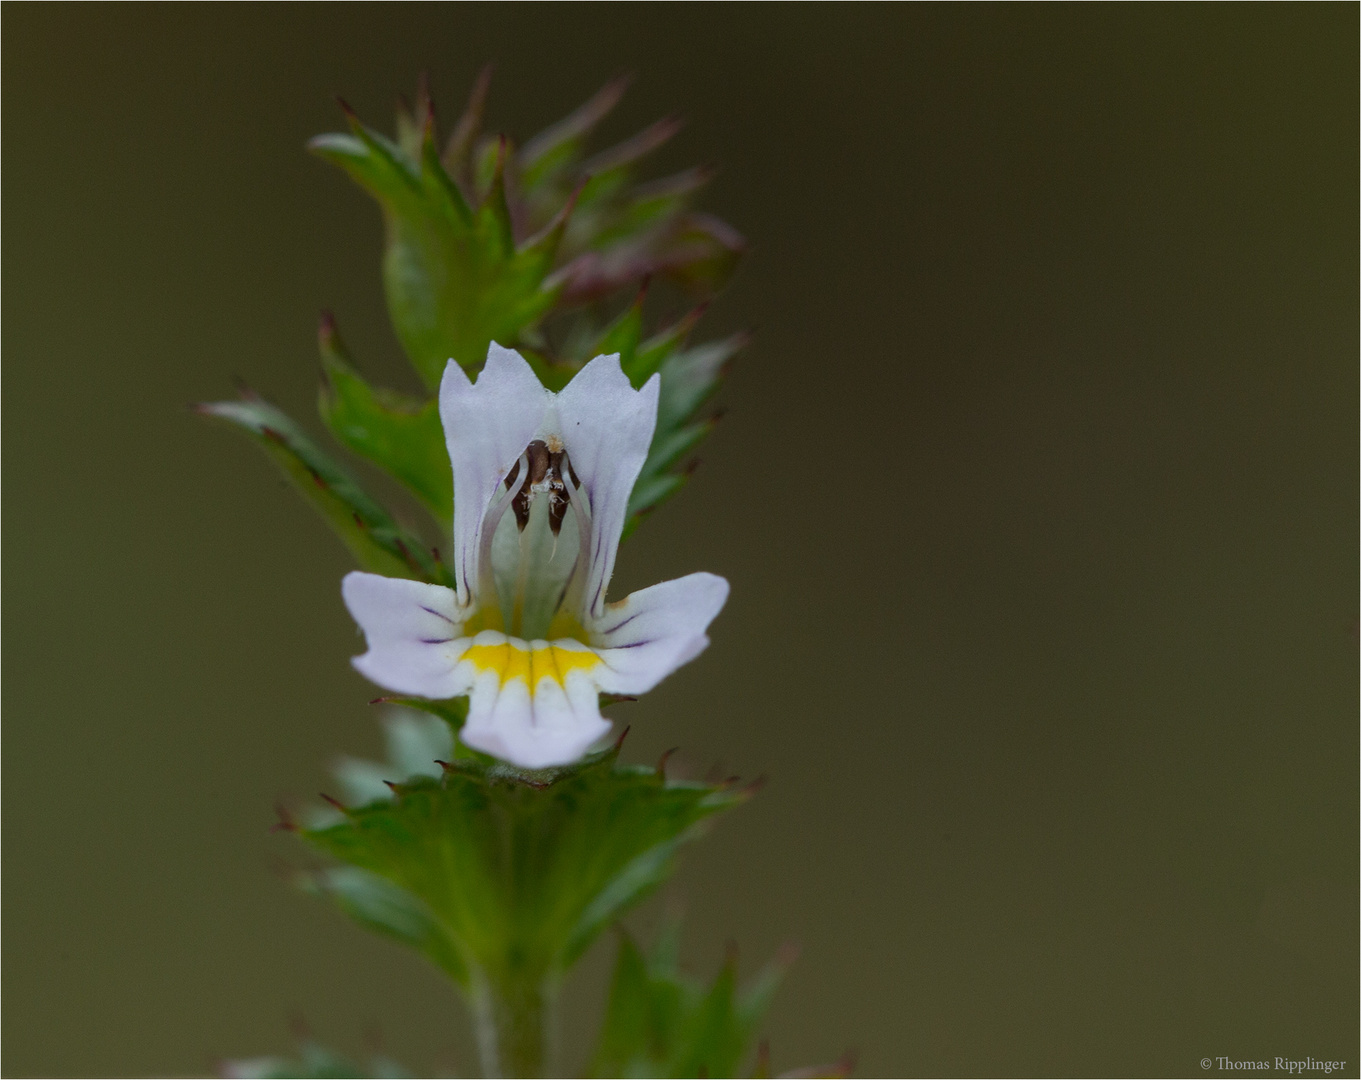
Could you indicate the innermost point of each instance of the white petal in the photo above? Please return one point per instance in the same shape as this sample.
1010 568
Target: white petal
487 426
550 726
414 634
650 633
607 428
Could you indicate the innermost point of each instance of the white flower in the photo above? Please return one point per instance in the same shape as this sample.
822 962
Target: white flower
541 490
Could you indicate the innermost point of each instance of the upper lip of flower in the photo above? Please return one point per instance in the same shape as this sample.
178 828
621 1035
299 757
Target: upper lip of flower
524 459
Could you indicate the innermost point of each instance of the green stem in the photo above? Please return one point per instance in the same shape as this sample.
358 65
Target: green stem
515 1026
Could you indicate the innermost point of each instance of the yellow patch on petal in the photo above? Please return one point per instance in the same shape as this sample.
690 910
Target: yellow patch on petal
517 660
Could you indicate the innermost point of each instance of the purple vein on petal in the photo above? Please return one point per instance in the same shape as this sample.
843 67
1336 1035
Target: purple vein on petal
620 625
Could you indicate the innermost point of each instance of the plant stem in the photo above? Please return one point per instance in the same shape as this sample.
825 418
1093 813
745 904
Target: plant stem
515 1026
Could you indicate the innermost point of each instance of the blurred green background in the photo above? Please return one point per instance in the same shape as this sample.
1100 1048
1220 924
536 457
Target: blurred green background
1037 493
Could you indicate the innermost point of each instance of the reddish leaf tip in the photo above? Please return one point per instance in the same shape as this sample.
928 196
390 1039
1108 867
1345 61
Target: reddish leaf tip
286 823
754 787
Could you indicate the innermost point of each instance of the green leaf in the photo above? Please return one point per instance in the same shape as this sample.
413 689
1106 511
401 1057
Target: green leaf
648 208
663 1024
689 379
378 905
649 355
701 253
554 150
457 156
453 711
454 278
713 1037
622 336
377 542
519 869
400 434
629 1022
648 494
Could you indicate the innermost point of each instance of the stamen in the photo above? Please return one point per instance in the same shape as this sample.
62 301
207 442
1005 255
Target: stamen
489 523
574 594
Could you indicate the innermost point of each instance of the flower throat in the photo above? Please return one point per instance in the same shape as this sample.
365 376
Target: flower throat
533 561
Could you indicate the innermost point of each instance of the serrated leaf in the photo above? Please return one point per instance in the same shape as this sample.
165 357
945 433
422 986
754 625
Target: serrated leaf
649 494
713 1038
552 152
520 871
689 379
457 156
701 253
377 542
660 1023
674 445
378 905
453 277
622 336
620 157
401 435
646 209
651 354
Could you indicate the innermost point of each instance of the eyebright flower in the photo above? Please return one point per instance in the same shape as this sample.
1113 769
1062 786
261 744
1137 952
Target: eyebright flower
541 490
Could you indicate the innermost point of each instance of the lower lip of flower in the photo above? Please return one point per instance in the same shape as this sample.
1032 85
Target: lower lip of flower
514 658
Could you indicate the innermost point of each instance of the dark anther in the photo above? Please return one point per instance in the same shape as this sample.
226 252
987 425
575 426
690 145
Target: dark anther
557 494
544 476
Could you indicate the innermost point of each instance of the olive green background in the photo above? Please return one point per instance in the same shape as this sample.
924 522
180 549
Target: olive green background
1037 492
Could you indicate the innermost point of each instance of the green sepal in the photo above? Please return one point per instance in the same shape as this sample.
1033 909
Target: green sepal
377 542
659 1023
400 434
521 869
